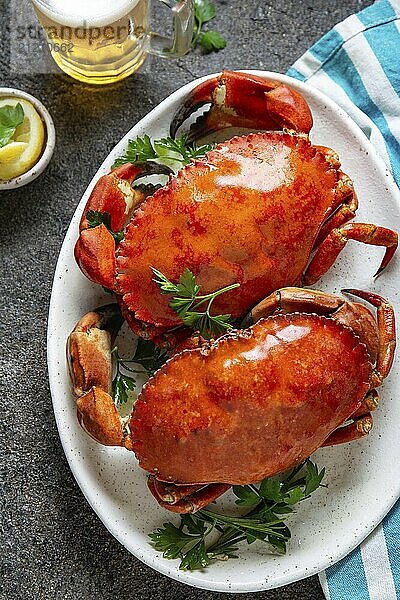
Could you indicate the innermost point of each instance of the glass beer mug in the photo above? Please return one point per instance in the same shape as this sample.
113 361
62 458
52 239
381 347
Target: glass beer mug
102 41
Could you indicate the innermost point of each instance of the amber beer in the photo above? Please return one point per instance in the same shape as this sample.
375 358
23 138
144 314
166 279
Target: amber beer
102 41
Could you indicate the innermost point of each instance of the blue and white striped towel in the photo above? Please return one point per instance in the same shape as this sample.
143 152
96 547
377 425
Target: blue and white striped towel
358 65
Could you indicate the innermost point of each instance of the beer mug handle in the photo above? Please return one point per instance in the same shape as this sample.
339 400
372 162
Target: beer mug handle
180 43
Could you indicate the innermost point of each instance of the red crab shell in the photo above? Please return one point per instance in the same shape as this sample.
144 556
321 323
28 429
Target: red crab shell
253 403
249 212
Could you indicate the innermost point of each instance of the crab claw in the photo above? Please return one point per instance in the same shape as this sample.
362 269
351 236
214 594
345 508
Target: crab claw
114 198
243 100
89 361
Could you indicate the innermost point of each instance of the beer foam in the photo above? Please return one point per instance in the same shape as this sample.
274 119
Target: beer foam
85 13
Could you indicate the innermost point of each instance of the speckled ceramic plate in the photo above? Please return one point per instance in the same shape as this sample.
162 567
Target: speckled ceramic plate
362 477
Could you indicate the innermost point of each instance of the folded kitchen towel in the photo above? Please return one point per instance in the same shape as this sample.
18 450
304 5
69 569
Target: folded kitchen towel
357 64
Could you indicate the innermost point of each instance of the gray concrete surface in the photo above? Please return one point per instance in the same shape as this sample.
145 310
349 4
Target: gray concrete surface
52 545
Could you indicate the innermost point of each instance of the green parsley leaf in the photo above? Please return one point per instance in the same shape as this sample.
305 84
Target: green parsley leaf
187 301
122 386
295 495
187 286
10 118
313 478
166 146
246 496
139 151
204 10
179 150
194 152
96 218
149 356
219 324
222 551
191 319
195 558
278 544
208 325
181 306
212 41
165 285
193 525
169 540
270 489
257 524
283 509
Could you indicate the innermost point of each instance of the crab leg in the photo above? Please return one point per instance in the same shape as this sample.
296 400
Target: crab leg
350 432
171 493
243 100
292 299
332 245
189 504
368 405
114 198
347 204
387 333
361 422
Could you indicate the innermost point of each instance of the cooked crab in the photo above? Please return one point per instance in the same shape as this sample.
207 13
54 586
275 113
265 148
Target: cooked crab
249 405
253 211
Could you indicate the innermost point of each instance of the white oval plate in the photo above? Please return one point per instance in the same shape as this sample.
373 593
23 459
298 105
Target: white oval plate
362 477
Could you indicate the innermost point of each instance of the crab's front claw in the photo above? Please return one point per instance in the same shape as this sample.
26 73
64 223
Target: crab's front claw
95 254
89 349
107 212
243 100
99 417
89 359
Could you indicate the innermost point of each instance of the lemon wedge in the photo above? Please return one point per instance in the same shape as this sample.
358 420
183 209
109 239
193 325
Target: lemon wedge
26 145
12 151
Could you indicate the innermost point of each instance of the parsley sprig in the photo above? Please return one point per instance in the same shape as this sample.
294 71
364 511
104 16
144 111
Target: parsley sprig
179 146
123 388
271 502
10 118
96 218
187 301
173 153
210 40
147 356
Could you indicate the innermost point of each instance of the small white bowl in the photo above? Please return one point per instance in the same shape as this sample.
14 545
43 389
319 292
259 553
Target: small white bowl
49 144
